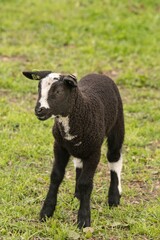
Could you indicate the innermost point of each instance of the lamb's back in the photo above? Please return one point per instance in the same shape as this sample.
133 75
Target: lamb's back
106 92
97 84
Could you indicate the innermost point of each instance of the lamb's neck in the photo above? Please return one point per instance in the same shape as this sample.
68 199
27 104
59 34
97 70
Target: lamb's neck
68 123
80 106
65 123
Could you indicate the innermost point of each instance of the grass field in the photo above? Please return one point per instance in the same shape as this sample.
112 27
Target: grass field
117 38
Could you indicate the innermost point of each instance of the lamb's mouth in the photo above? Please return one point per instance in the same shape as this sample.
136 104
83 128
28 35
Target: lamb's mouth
44 117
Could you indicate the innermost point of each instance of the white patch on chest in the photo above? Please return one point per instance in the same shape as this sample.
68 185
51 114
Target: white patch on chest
45 87
77 163
65 123
117 167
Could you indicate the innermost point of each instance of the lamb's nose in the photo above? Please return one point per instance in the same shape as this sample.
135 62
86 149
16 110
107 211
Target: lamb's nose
39 110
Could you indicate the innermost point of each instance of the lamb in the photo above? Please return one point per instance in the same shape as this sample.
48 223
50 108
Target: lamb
85 112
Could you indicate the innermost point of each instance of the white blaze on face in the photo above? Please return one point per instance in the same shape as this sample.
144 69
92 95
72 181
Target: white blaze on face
117 168
46 84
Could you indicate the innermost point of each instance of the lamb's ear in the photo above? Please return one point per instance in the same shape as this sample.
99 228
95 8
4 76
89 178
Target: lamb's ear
36 75
71 80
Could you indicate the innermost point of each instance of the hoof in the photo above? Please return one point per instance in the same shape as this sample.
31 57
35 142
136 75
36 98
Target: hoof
114 200
46 212
83 222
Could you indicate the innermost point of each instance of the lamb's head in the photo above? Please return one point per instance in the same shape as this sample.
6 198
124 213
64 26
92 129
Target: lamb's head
56 93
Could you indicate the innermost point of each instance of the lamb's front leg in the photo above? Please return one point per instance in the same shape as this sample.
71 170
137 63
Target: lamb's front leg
58 171
85 186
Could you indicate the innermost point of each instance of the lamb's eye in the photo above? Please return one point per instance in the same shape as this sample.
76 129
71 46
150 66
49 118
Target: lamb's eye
57 92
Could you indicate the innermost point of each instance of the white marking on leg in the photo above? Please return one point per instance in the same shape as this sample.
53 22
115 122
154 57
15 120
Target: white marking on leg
117 167
65 123
46 84
77 163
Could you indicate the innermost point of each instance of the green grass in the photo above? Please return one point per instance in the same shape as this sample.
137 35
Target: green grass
118 38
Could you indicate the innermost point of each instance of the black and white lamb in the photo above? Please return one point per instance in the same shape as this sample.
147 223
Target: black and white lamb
85 113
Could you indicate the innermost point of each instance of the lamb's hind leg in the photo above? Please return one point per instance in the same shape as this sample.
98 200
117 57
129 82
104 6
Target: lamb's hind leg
115 189
114 155
78 164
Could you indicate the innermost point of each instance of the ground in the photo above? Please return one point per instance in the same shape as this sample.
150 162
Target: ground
117 38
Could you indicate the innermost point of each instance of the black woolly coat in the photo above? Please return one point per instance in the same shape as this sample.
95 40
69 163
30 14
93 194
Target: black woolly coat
97 106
